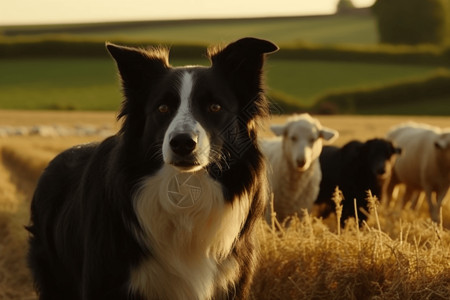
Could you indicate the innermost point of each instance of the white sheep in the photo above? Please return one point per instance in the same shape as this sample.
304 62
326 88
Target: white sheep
294 169
424 164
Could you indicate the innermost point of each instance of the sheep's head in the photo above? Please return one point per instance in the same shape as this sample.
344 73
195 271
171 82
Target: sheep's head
442 145
379 156
303 139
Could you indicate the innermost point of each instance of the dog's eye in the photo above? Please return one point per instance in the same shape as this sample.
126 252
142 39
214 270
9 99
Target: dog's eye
215 107
163 108
293 138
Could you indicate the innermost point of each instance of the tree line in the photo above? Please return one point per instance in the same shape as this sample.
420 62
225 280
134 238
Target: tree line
409 22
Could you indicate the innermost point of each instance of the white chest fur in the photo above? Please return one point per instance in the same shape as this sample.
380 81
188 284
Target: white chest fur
190 231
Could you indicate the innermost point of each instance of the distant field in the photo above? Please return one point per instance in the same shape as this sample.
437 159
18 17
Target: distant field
329 30
92 84
348 29
306 80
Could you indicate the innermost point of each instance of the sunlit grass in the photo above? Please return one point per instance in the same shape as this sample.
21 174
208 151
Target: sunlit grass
409 258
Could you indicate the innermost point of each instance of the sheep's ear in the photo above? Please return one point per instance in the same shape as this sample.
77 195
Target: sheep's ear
440 144
328 134
443 141
278 130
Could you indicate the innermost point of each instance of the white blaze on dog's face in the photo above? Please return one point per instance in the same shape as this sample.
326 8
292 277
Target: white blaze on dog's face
186 144
302 141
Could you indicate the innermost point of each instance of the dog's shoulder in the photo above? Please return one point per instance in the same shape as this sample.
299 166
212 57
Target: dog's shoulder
65 172
71 163
81 154
72 158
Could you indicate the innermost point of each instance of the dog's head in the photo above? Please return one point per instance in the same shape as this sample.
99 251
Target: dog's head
190 117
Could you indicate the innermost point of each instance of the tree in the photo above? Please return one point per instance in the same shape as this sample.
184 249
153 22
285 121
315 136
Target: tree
411 21
345 6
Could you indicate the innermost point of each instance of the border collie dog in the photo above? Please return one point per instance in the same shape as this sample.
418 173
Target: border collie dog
166 208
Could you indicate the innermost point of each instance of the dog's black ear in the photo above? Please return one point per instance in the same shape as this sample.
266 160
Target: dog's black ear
140 70
241 63
137 65
245 56
242 52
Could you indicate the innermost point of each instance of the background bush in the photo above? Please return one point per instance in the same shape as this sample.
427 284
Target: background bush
411 21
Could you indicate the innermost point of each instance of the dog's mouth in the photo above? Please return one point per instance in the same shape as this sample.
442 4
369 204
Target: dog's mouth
186 152
187 165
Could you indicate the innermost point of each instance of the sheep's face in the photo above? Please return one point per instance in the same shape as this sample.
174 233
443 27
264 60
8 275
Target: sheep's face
380 156
383 166
302 142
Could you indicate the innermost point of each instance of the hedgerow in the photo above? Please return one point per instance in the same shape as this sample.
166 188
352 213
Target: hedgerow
66 46
365 99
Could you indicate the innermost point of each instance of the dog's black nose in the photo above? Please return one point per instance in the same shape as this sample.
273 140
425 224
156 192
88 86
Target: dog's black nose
183 144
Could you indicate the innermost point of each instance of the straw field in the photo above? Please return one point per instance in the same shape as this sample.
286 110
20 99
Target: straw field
398 254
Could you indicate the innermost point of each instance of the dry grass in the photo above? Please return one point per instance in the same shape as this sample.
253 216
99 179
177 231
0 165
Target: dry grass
15 282
398 254
307 260
31 117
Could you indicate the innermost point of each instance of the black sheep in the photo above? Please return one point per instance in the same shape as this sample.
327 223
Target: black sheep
355 168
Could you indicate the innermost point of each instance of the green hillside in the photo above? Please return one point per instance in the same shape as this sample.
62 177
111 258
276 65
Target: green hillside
327 63
92 84
342 29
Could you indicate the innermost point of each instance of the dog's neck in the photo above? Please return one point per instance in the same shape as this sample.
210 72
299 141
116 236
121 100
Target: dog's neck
189 229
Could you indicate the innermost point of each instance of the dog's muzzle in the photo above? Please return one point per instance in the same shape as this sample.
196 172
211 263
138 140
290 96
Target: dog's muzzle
183 147
183 144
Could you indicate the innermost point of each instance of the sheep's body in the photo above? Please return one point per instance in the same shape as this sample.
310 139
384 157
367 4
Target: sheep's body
293 191
424 164
355 168
294 170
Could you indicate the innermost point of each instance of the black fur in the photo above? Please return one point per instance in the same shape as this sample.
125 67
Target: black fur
355 168
83 242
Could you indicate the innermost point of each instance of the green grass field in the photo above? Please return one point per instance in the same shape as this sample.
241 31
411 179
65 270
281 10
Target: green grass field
307 80
59 84
92 84
348 29
430 107
338 29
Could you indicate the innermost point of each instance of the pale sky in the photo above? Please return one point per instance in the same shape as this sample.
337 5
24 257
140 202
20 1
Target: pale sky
15 12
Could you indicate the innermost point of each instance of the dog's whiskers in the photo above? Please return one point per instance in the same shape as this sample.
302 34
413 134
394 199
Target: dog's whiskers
219 159
154 152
